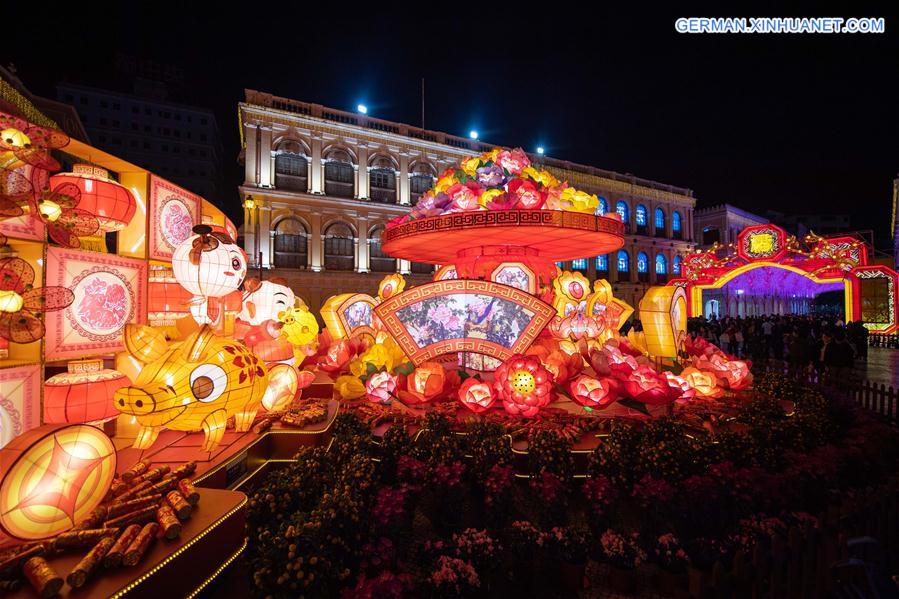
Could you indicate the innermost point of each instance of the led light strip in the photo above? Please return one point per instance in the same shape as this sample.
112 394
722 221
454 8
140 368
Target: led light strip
180 551
220 569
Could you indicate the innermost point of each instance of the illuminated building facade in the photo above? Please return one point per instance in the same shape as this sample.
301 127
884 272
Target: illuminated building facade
320 184
722 224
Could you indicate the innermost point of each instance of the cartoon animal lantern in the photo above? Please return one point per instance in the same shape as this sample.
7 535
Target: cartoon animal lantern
198 383
265 300
209 265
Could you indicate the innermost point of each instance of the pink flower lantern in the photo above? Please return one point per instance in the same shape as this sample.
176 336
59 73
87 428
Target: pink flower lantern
593 393
524 385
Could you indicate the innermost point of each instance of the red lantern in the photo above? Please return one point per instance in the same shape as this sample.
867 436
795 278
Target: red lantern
476 395
83 394
524 385
167 300
112 203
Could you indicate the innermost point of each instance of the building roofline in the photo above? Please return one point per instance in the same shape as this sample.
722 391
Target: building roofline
369 123
133 96
731 208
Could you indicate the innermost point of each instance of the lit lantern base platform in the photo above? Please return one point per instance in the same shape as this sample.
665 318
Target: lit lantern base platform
210 541
238 457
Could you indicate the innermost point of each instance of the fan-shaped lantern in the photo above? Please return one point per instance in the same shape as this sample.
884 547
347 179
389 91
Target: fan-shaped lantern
112 203
209 264
83 394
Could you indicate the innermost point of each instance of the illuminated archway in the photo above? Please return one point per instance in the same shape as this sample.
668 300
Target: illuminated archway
870 292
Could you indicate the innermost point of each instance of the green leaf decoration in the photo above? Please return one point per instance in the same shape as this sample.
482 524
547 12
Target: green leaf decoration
635 405
405 368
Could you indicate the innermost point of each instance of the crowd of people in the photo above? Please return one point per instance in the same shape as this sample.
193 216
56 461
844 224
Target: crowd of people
823 343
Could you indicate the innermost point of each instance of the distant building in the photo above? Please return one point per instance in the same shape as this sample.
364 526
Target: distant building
801 225
15 98
321 183
179 142
722 224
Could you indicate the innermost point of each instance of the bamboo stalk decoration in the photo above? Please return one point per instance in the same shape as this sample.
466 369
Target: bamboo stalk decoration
79 539
163 486
94 519
12 563
114 557
44 579
168 522
136 470
91 562
135 490
10 586
151 475
186 487
140 544
136 517
126 507
179 505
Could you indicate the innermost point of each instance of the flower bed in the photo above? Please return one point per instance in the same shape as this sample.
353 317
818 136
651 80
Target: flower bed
443 513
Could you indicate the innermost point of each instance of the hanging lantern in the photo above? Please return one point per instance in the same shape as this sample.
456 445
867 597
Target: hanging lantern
53 477
112 203
167 300
83 394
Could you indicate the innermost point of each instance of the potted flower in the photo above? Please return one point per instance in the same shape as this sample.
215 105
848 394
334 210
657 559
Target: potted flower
568 546
673 562
623 554
453 577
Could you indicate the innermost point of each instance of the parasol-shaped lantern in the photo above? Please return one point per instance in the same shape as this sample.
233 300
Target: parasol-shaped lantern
83 394
21 304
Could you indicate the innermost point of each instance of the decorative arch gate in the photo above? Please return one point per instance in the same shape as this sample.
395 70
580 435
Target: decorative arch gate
767 257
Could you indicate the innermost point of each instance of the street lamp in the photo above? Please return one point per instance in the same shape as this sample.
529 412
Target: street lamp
540 150
362 108
473 134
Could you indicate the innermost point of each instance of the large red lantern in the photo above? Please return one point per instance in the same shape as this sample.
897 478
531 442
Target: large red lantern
83 394
167 300
112 203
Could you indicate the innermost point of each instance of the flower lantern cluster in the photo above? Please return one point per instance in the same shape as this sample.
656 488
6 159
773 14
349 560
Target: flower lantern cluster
727 372
498 180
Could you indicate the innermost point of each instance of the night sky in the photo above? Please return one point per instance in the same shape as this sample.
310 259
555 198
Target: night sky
797 123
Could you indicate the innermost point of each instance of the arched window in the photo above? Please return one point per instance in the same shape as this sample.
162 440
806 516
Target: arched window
380 262
290 166
711 235
642 266
382 180
421 180
623 211
660 222
640 218
579 264
675 224
661 265
624 261
676 264
291 244
602 263
602 207
339 174
339 247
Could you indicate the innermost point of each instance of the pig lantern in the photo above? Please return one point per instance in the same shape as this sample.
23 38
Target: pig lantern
196 384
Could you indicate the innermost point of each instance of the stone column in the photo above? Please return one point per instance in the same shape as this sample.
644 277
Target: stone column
265 157
651 219
402 188
317 169
362 180
251 160
404 267
363 263
249 232
315 242
613 267
265 241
